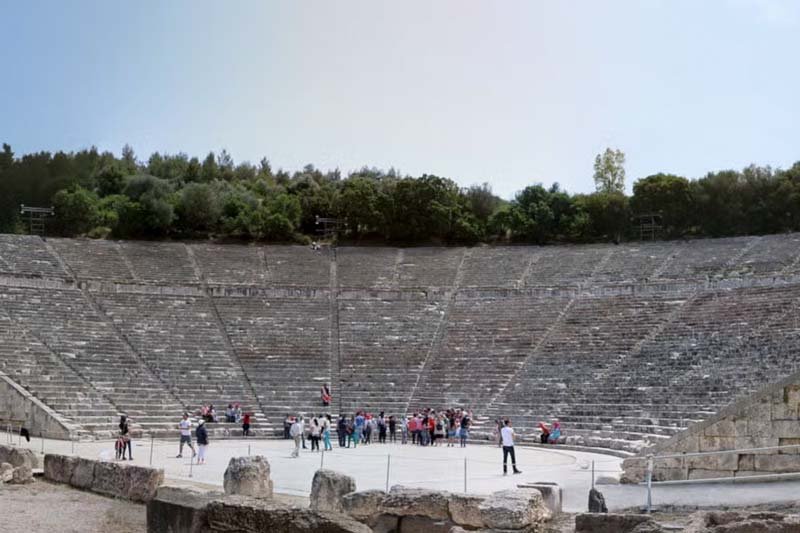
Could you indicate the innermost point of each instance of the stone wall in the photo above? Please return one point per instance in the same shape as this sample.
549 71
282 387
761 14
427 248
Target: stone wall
189 511
136 483
18 405
769 418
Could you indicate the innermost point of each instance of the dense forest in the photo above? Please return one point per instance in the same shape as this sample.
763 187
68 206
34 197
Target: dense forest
176 196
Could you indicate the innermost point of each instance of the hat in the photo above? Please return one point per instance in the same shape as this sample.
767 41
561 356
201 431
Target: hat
201 422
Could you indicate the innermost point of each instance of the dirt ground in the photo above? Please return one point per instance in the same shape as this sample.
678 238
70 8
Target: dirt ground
49 508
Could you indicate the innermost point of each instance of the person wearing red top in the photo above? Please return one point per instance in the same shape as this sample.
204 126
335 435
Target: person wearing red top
412 428
246 424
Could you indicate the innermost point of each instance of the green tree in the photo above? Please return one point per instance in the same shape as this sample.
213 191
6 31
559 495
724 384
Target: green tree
609 215
667 195
110 180
199 208
76 211
150 211
128 162
359 205
609 171
209 170
718 201
482 203
536 215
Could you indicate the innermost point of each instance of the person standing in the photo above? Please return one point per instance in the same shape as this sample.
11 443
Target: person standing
326 432
463 433
202 441
412 428
315 431
352 434
246 424
295 432
393 429
341 431
125 435
287 425
186 435
302 430
359 426
507 436
382 428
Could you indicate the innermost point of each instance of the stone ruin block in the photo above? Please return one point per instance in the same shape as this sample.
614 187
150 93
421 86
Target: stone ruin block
404 501
715 444
237 513
6 472
609 522
176 509
463 509
328 488
700 473
135 483
59 468
364 506
551 493
83 474
777 463
22 474
721 428
18 457
248 476
514 509
789 441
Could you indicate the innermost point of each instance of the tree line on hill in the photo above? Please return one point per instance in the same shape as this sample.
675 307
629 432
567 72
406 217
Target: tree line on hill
98 194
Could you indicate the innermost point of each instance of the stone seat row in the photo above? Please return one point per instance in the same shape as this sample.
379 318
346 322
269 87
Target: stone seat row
194 263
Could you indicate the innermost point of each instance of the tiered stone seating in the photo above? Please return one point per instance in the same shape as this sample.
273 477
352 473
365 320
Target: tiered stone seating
751 338
620 366
383 346
160 262
496 266
565 265
367 267
68 325
93 259
26 255
703 258
298 266
231 265
430 267
284 346
560 379
182 340
31 364
691 368
633 262
484 344
769 255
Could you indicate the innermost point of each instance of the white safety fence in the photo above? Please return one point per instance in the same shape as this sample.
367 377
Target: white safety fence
372 465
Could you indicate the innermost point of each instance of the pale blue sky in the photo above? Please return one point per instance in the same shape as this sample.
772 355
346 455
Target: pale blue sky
506 92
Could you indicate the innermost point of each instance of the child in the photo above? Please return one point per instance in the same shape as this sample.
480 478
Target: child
119 447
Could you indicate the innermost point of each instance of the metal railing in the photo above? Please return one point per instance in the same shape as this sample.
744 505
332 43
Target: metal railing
651 459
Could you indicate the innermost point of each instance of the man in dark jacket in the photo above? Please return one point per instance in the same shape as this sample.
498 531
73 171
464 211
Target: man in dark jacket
341 430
